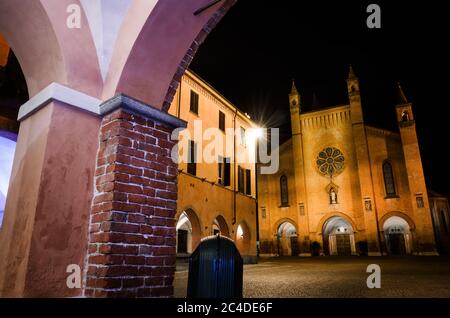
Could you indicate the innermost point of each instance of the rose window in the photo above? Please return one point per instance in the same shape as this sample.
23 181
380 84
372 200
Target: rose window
330 161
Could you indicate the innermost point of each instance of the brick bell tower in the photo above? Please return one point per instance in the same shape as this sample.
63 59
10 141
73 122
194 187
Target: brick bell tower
425 242
299 170
363 163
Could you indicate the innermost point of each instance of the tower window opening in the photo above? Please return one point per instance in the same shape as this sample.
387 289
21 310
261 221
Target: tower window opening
405 116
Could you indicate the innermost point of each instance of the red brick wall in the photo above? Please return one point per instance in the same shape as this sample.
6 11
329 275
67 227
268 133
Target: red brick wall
131 250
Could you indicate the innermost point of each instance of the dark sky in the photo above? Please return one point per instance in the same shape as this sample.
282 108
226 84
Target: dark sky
257 49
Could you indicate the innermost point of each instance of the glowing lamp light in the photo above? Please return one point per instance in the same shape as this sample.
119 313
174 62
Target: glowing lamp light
258 132
240 233
254 134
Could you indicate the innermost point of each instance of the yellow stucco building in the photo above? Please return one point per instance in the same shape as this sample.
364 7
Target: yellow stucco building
215 194
346 188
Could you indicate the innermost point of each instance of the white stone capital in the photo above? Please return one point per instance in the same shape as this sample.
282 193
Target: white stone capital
61 93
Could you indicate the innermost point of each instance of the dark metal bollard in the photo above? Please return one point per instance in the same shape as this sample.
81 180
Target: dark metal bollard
215 269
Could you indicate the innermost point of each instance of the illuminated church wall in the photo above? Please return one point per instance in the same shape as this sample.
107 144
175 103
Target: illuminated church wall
355 189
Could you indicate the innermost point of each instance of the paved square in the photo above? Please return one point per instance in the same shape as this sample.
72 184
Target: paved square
340 277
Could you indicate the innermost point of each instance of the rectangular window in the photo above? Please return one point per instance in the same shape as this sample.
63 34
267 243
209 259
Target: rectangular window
192 158
194 103
302 209
227 172
389 179
263 212
284 191
248 182
242 136
224 171
241 180
220 166
368 204
420 203
221 121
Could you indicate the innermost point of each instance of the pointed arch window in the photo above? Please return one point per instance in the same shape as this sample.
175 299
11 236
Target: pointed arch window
284 191
389 183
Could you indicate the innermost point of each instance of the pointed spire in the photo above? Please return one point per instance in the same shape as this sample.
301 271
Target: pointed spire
315 102
351 73
401 97
294 89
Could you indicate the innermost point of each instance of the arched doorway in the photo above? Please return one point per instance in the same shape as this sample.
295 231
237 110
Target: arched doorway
220 226
287 240
188 232
397 235
338 237
7 149
243 237
13 93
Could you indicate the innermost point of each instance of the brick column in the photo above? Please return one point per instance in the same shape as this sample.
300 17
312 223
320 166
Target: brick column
132 240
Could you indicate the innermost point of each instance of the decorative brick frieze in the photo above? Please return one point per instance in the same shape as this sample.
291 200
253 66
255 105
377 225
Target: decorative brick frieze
131 251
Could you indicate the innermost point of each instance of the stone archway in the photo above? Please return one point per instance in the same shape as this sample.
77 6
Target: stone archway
115 147
397 236
326 217
220 226
338 237
188 232
287 239
49 51
243 239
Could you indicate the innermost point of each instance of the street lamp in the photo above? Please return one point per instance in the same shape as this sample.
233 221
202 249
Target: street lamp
258 133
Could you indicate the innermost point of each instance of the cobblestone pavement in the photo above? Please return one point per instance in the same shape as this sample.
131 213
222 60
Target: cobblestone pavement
340 277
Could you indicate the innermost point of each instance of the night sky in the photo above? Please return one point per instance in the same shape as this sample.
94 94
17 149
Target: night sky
257 49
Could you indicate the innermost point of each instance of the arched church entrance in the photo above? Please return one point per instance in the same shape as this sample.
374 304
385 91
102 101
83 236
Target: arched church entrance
338 237
287 240
188 232
397 235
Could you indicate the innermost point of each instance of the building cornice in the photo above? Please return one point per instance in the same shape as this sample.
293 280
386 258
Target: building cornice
139 108
381 131
326 111
216 95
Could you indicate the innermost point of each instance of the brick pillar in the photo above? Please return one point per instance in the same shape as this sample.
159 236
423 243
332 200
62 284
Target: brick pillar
131 250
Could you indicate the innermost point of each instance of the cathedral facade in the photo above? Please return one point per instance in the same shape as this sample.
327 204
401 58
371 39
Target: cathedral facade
346 188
